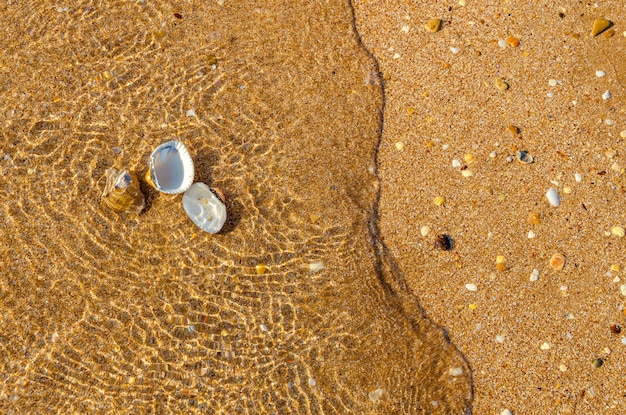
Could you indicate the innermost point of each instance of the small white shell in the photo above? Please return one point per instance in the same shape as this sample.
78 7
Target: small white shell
553 197
171 168
204 208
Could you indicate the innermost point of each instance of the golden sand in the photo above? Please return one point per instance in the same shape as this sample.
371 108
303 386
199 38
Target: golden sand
555 110
101 312
319 294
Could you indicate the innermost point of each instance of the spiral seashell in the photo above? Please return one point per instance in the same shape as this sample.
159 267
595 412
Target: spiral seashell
171 168
122 192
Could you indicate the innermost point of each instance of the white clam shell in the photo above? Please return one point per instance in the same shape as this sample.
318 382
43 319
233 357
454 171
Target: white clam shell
171 168
553 197
204 208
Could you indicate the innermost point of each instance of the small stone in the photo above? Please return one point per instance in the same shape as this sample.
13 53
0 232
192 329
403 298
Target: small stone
597 362
502 43
618 231
513 129
376 395
471 287
433 25
400 146
397 56
553 197
493 154
567 190
469 158
312 382
600 74
512 41
456 163
501 84
609 33
405 28
262 327
6 157
606 95
557 262
545 346
462 3
534 276
610 153
443 242
599 26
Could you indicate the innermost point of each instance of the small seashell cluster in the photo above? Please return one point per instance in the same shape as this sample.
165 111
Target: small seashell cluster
171 171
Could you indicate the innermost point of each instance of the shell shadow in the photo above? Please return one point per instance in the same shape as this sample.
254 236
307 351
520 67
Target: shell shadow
234 210
149 192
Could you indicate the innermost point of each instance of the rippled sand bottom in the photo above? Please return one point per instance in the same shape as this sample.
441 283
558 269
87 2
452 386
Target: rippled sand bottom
117 313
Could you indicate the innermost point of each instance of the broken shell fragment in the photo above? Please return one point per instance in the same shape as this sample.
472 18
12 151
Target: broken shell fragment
122 192
557 262
524 157
171 168
553 197
599 26
204 207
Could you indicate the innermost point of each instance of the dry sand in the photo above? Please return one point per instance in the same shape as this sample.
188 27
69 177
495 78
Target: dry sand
442 104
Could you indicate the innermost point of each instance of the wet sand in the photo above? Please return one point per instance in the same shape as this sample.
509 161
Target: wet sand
281 107
533 346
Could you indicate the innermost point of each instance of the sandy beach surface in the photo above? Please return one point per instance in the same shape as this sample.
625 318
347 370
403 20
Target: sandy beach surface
382 240
533 346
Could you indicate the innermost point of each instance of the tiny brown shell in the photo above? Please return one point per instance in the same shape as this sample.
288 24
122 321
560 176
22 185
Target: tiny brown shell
122 192
557 262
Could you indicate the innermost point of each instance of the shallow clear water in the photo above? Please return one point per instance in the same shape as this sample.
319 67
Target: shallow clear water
112 313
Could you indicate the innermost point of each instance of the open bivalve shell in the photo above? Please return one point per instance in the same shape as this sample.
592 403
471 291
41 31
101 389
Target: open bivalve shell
205 208
171 168
122 192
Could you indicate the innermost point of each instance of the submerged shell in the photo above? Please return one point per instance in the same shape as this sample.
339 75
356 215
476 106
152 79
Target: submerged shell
122 192
204 207
171 168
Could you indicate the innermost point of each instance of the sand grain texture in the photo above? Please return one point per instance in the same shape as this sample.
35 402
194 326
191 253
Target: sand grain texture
442 104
